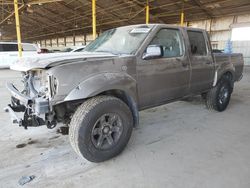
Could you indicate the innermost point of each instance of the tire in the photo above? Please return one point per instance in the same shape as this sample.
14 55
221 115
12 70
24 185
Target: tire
101 128
219 96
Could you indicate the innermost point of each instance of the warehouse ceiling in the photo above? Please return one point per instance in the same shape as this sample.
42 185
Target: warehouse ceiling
42 19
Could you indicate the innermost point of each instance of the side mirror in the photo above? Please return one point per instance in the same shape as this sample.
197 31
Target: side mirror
153 51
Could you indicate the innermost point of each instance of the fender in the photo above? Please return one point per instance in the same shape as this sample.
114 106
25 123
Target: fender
102 82
221 70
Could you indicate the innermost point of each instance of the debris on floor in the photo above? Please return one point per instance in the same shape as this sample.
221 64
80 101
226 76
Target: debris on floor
63 130
21 145
26 179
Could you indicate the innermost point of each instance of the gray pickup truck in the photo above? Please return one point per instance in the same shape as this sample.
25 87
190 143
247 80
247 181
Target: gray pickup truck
99 92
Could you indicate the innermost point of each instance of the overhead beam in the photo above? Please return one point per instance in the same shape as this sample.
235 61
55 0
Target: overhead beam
87 14
24 5
42 2
11 14
111 13
139 6
198 3
6 2
75 29
168 11
151 8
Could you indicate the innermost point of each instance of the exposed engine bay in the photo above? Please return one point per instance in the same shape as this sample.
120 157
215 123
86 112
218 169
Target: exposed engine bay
34 99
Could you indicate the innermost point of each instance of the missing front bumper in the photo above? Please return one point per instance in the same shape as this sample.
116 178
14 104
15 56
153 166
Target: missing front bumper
27 121
38 105
18 95
33 108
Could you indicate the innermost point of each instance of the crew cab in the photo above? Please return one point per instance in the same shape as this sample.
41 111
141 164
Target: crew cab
99 92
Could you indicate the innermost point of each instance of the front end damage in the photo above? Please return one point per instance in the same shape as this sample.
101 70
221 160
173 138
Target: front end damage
34 101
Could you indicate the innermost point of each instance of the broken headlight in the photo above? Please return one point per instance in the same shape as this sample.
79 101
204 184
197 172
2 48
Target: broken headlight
37 81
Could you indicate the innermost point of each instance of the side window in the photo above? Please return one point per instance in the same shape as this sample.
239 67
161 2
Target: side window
171 42
28 47
197 43
8 47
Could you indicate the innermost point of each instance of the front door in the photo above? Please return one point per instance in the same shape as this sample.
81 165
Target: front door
165 78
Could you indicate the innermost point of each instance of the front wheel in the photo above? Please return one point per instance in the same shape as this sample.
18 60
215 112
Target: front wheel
100 128
218 97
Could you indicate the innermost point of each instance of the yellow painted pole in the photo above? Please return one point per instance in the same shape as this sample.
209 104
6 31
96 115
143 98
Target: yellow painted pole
147 12
182 13
94 18
18 31
182 19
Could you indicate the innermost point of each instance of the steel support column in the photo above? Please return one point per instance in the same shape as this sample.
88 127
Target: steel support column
182 19
18 30
94 18
147 12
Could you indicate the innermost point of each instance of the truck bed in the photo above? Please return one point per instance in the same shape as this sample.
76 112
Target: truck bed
236 59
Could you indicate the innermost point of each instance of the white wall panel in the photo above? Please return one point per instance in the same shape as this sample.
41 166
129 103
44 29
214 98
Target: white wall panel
244 48
243 18
222 23
220 35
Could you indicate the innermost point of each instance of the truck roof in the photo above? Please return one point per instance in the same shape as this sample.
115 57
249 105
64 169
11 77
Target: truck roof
162 25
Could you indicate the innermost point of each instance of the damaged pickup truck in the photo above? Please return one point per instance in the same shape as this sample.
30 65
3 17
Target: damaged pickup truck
99 92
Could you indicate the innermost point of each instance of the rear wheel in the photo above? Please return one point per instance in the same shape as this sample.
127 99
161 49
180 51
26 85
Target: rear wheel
100 128
218 97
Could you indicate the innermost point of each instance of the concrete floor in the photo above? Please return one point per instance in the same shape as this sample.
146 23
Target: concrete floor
177 145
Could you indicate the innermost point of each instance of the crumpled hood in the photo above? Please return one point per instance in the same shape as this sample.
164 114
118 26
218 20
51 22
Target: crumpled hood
42 61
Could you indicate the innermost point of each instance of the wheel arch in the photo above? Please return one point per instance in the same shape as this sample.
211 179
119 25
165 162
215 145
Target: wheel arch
229 73
127 99
119 85
230 76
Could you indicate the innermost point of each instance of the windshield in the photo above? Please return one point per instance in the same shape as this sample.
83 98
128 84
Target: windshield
123 40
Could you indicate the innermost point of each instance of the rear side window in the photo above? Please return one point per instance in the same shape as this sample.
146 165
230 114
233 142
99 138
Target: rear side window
28 47
8 47
197 43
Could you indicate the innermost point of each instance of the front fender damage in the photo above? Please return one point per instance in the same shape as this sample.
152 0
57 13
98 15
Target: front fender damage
103 82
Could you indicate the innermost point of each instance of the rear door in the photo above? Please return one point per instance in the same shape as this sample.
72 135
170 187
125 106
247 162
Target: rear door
201 61
166 78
